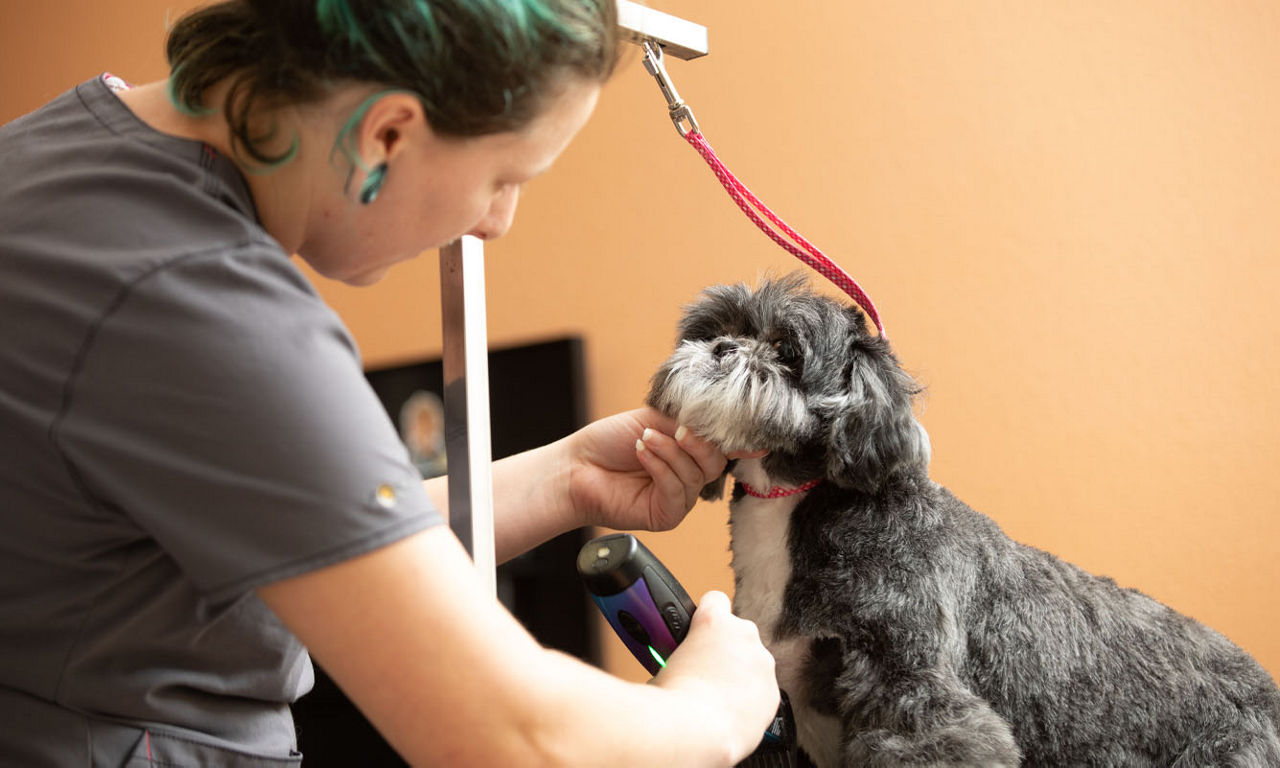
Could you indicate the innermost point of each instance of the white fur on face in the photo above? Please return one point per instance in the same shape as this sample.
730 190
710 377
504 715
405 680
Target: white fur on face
739 401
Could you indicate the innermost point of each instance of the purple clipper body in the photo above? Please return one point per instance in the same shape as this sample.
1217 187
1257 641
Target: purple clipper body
644 604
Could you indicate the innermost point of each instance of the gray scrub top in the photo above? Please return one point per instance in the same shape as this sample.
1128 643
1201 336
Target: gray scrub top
182 419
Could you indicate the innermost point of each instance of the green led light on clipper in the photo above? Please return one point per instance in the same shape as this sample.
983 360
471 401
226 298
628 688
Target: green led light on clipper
657 657
650 612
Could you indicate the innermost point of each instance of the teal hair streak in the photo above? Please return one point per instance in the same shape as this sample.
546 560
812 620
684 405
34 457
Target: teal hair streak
519 23
338 20
249 165
429 26
182 105
345 142
521 28
526 14
477 66
258 168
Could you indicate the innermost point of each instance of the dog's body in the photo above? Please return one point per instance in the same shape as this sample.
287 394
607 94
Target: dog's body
907 628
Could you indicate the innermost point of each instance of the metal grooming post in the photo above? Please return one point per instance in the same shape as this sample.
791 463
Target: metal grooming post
466 402
466 347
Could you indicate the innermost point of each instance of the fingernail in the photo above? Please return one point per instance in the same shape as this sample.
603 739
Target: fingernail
681 431
648 433
639 445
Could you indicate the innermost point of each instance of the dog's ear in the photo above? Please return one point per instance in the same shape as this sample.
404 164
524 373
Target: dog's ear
873 430
715 489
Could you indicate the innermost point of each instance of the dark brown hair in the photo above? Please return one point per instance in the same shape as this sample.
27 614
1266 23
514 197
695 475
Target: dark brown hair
477 66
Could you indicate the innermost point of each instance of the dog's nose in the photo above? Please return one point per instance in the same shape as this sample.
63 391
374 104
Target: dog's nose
723 347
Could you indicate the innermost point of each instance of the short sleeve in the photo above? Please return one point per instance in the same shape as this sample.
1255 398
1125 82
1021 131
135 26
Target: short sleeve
220 405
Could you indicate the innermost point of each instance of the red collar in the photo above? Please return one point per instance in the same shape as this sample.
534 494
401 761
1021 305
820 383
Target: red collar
779 491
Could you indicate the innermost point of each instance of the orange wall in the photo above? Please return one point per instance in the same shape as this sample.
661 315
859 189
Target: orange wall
1067 213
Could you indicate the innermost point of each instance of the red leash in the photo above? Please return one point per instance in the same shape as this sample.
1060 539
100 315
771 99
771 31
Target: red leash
806 251
797 246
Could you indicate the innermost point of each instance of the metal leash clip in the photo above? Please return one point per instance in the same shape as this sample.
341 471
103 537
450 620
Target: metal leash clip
679 111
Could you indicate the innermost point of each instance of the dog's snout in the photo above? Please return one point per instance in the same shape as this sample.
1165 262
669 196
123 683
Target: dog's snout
723 347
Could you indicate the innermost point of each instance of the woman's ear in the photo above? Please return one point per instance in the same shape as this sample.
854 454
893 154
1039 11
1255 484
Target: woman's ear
390 120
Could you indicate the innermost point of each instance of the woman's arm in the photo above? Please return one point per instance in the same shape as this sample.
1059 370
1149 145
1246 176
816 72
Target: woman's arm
599 475
450 678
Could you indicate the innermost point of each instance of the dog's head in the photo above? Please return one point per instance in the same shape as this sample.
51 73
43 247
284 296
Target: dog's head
797 374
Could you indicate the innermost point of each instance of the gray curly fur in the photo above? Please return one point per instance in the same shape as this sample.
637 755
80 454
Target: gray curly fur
929 636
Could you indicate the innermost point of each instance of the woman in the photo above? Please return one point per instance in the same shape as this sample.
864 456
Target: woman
197 480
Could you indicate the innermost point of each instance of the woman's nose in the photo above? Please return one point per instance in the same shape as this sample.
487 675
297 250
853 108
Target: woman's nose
498 219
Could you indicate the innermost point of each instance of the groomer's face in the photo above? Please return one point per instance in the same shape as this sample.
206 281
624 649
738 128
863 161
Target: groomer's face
439 188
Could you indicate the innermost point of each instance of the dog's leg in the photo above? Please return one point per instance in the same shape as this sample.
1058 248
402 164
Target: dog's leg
1250 743
926 719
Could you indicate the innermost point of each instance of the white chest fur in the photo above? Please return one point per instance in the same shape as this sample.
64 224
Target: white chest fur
761 563
762 567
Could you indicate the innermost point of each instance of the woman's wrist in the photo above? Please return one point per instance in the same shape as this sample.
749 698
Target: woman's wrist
565 462
689 704
532 502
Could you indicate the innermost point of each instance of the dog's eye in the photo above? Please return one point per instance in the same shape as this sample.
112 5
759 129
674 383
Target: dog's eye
788 353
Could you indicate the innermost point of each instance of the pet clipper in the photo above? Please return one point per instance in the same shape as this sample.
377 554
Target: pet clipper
650 612
642 601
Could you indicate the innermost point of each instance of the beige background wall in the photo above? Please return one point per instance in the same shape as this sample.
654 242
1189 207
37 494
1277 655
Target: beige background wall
1066 211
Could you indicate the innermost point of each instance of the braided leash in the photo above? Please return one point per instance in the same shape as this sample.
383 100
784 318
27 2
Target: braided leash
801 248
797 246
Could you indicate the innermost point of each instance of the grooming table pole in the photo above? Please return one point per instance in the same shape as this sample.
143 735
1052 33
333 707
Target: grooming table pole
466 344
466 402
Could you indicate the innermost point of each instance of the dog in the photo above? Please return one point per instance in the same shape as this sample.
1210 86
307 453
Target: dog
907 628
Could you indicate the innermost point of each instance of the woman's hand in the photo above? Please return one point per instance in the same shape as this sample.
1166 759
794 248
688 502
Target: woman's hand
628 471
639 470
378 623
722 662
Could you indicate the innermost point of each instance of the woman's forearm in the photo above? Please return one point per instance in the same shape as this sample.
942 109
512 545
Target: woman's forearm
531 502
636 470
587 718
450 678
